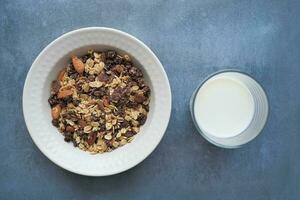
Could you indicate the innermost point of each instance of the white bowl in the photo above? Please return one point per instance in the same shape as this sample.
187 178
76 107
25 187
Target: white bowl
37 110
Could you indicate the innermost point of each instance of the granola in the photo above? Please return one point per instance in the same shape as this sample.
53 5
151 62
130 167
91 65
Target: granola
99 101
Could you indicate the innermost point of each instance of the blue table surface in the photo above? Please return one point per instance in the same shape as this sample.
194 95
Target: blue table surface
192 39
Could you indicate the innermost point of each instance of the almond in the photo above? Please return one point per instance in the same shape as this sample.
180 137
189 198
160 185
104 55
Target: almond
55 111
61 75
78 64
64 93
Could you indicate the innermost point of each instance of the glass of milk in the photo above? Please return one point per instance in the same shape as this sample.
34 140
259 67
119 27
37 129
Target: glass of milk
229 108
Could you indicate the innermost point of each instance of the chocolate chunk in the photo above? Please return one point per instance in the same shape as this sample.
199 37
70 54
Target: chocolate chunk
146 90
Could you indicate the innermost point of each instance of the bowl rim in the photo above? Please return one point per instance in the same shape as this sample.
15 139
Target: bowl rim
144 46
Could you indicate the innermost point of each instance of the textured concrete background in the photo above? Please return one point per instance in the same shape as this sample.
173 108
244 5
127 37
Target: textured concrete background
192 39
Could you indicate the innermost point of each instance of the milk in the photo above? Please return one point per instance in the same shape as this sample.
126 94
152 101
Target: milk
223 107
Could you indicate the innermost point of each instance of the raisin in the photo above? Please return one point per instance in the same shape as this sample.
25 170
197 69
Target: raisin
132 104
103 77
118 69
55 86
146 90
82 123
70 129
111 54
85 58
99 93
135 72
74 143
146 107
74 76
129 134
76 102
118 60
139 98
124 124
102 127
101 106
109 64
68 136
142 119
92 138
103 57
53 100
55 122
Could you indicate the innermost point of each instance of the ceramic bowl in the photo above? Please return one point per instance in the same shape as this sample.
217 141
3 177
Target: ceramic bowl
37 110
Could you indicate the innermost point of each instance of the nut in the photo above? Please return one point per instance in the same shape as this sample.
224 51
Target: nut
78 64
61 75
55 111
64 93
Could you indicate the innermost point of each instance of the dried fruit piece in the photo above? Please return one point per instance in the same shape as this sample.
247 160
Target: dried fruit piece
55 86
82 123
103 77
70 129
140 98
92 138
55 111
78 64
